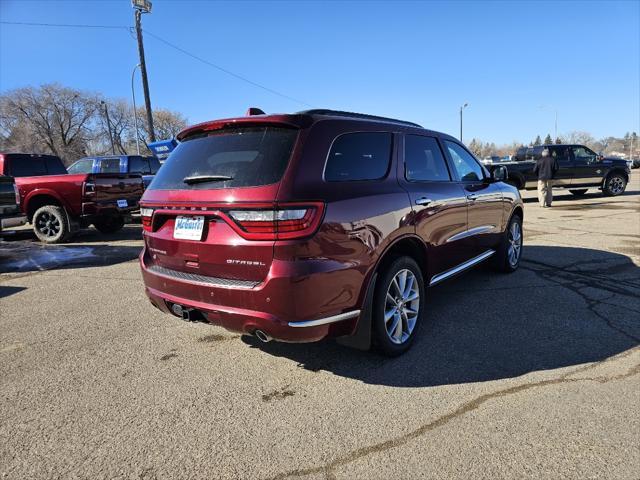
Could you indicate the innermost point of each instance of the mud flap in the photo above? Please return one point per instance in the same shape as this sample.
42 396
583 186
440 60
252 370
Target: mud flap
361 338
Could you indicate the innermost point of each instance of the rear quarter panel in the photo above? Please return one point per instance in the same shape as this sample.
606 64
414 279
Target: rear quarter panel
362 218
67 189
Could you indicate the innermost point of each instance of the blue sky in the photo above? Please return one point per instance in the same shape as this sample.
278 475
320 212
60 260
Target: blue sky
413 60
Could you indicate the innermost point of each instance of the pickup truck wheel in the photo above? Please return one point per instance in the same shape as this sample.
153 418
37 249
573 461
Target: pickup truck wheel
580 192
109 224
398 306
50 224
507 257
614 185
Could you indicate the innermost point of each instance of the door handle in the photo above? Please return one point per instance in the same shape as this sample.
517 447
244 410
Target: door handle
423 201
472 196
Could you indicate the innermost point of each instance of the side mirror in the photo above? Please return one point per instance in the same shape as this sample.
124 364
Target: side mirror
499 173
599 158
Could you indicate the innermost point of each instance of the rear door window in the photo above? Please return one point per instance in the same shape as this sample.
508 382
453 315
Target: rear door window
109 165
359 156
423 160
139 165
26 166
239 157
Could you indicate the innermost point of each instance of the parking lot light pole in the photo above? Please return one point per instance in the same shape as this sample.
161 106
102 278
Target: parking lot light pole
462 108
135 113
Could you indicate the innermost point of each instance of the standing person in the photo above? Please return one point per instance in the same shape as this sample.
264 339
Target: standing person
546 168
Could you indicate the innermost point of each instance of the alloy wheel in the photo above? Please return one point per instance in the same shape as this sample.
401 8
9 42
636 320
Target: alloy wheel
616 185
48 224
515 244
401 306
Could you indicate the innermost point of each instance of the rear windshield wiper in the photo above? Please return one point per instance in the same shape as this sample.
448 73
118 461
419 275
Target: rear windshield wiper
206 178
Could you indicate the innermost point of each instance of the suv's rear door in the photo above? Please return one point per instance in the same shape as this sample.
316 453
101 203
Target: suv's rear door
439 203
219 176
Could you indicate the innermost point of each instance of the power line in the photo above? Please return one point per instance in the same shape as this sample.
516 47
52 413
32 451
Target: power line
228 72
169 44
72 25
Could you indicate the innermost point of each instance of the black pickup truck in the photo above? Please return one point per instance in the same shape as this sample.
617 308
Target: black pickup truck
10 214
580 169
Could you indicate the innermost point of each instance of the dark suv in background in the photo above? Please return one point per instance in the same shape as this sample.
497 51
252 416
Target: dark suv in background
321 223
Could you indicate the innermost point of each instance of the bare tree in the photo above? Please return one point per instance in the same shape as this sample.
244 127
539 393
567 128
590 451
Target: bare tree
60 119
167 124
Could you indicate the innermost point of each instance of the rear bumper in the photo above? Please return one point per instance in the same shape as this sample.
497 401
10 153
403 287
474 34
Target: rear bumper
269 306
95 209
11 222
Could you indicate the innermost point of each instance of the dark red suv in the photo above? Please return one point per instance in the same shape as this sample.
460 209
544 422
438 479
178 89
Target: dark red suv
320 223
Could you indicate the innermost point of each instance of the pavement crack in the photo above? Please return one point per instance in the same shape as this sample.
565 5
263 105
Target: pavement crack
579 280
329 469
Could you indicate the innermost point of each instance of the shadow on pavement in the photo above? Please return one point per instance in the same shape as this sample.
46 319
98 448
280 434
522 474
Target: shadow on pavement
6 291
564 307
564 195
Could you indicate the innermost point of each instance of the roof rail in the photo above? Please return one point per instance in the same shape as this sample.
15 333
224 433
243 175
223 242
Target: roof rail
363 116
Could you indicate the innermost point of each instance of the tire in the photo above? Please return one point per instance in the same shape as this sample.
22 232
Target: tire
614 185
580 192
51 225
411 299
109 224
507 257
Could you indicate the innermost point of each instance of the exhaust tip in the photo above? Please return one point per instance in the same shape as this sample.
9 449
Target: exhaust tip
263 337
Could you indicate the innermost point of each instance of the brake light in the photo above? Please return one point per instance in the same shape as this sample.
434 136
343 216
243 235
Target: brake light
147 215
17 192
282 223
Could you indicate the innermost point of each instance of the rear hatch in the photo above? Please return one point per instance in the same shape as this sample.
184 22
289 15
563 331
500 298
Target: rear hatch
122 190
211 211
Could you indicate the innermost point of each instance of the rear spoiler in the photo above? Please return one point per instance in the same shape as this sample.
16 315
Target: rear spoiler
288 121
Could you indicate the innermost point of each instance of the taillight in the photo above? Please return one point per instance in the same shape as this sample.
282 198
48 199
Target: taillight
281 223
147 215
89 188
17 192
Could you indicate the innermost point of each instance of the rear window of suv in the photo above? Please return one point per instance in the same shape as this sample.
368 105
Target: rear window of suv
359 156
249 156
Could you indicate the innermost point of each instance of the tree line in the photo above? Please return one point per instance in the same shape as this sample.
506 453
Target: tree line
71 123
607 145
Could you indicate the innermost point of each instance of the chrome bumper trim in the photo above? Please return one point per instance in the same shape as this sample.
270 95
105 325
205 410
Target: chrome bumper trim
463 266
12 222
323 321
201 279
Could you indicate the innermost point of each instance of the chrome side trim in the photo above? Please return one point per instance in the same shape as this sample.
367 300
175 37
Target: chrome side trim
201 279
324 321
472 231
463 266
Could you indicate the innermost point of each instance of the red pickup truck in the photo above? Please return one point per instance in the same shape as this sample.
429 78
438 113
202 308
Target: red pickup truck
57 204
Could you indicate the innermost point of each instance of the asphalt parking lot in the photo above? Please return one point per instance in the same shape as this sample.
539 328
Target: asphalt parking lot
530 375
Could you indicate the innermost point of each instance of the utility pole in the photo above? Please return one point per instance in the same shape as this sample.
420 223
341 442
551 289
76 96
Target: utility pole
462 108
106 112
135 113
140 7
